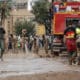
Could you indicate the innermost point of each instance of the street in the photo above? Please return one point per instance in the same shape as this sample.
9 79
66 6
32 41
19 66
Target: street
39 39
30 64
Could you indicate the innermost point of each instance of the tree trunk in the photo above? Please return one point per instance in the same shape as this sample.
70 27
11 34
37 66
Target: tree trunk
2 16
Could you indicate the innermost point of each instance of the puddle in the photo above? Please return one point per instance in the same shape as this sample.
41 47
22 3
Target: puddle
32 66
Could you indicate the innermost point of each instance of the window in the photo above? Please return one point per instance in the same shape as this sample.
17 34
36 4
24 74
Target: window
74 21
21 5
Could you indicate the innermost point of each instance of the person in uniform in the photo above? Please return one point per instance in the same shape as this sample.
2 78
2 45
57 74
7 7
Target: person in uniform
70 41
78 41
78 35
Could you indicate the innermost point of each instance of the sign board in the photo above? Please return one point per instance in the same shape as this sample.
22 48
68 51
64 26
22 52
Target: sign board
40 29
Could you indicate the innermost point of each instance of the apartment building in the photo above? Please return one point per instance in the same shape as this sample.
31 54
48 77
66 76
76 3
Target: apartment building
20 11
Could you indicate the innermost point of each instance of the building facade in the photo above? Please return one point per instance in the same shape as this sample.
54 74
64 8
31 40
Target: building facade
19 11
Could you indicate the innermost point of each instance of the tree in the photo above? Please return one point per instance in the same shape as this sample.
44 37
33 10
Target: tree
5 7
41 12
20 25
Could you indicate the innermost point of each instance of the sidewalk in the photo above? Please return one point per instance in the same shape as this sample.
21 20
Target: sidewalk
16 66
29 64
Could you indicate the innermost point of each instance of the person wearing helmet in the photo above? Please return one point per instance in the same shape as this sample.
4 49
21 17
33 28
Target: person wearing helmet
70 41
78 41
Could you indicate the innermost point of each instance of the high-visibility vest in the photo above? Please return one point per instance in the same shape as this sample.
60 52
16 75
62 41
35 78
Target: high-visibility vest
77 30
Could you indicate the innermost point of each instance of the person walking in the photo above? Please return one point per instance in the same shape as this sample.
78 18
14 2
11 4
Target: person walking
26 46
46 45
10 42
36 44
78 35
70 41
30 43
2 42
78 41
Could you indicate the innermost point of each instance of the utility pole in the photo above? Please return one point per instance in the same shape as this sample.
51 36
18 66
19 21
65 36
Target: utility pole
50 17
52 14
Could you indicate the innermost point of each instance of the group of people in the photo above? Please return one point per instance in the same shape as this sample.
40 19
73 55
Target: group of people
72 41
24 42
29 43
34 43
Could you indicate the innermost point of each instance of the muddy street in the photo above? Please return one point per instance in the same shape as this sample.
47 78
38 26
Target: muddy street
32 67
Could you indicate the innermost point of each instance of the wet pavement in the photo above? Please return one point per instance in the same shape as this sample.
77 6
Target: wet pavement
21 64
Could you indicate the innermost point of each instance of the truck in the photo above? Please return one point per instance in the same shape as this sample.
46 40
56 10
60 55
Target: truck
67 12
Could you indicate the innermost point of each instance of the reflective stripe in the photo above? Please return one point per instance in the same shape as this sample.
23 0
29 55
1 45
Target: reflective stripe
78 30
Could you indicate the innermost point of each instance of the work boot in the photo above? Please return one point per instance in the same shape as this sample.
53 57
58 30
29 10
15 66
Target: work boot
78 60
1 58
74 62
70 62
